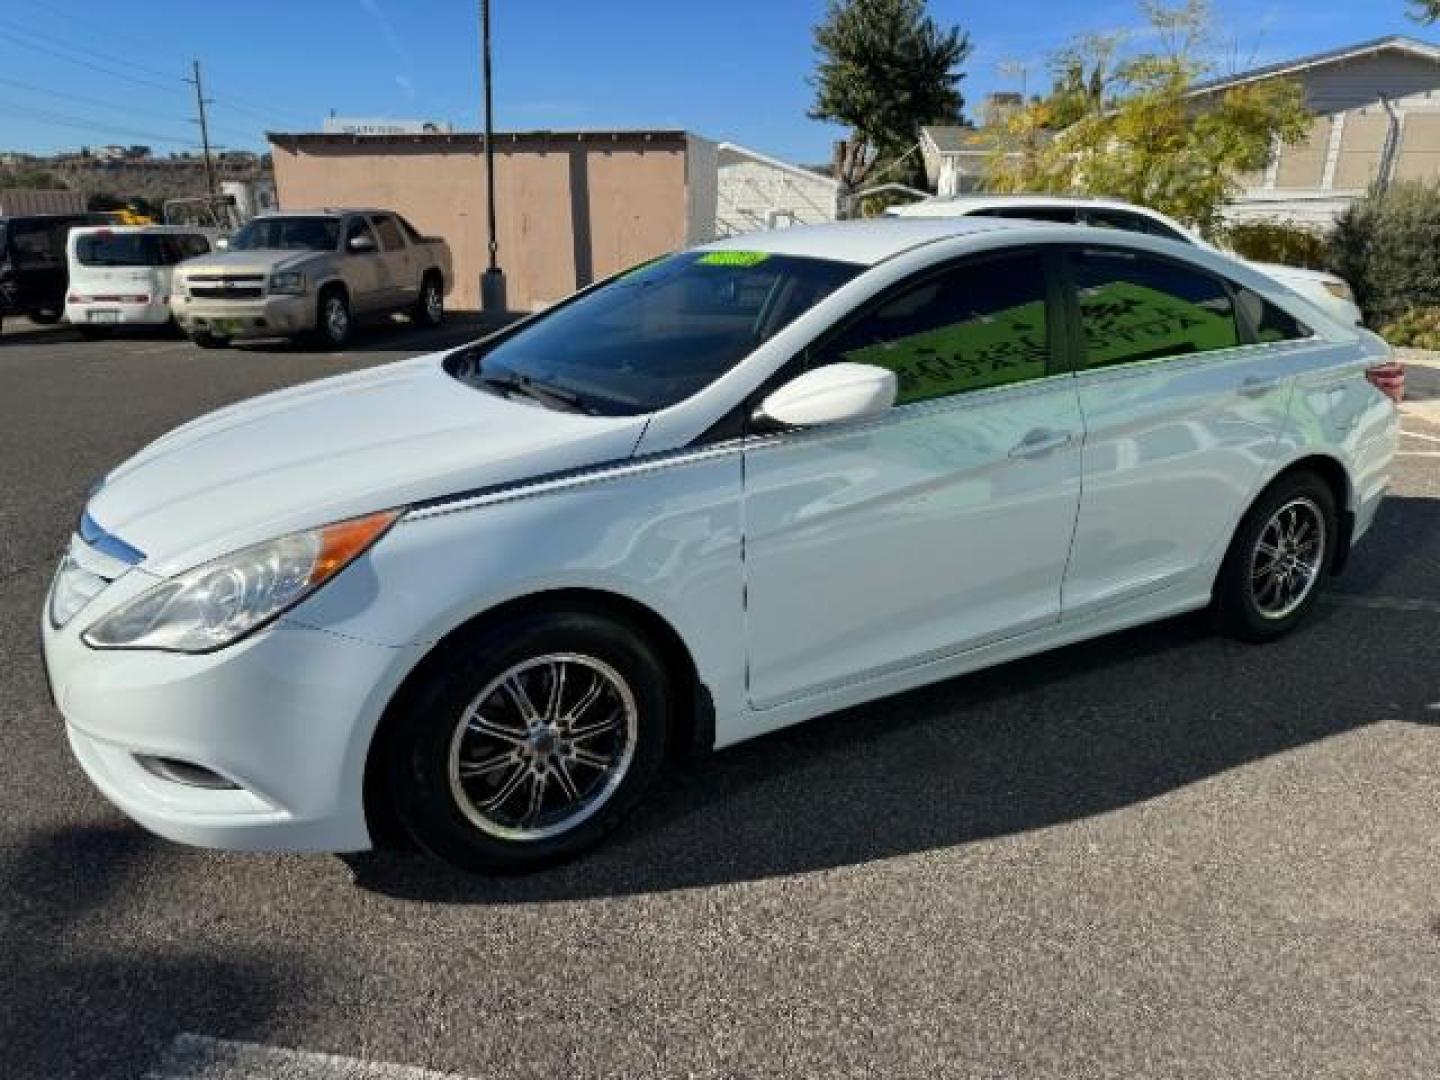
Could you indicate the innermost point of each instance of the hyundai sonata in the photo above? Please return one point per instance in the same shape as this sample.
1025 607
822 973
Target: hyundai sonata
485 596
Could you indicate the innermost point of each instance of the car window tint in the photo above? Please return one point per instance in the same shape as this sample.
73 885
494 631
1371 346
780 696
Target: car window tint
389 232
1134 307
409 230
1268 322
194 245
357 227
1062 215
968 328
36 244
1130 222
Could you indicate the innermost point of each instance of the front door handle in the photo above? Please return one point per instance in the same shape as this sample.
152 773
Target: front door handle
1041 441
1256 385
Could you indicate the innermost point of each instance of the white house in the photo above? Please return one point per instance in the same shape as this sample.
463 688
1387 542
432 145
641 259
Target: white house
755 191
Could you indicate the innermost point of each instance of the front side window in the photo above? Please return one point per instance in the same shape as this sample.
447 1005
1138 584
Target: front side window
358 227
971 327
652 336
288 234
1136 307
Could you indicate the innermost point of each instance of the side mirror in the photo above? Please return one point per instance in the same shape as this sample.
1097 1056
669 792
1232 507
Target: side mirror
222 244
830 395
360 245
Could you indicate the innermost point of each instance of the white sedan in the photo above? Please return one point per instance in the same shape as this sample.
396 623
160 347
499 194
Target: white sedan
484 596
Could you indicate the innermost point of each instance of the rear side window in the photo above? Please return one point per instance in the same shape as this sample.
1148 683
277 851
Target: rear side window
1268 322
1137 223
37 245
1060 215
409 230
390 234
970 327
1135 307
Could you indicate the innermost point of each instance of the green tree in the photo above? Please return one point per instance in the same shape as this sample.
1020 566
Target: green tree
885 69
1154 142
1426 11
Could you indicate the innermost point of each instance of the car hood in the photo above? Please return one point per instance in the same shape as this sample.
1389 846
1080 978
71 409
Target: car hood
354 444
247 262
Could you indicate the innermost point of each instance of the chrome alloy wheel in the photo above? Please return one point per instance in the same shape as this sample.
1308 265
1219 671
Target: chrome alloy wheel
337 319
434 303
543 746
1288 555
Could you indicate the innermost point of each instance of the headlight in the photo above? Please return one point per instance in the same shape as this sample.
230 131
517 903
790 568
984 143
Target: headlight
1339 290
287 281
216 604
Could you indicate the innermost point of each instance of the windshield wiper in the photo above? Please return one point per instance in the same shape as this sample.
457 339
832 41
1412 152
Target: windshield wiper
547 395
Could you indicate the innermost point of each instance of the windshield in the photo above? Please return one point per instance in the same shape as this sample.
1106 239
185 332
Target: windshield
655 335
119 249
288 234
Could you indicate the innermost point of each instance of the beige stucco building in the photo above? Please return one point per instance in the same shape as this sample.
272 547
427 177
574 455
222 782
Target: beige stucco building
571 206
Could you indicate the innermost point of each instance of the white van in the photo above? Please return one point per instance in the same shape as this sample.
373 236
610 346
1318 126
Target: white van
121 275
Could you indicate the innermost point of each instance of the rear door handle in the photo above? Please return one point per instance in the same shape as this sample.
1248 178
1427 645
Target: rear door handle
1041 441
1256 385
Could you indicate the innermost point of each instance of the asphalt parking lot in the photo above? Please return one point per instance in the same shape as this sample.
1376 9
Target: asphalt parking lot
1159 854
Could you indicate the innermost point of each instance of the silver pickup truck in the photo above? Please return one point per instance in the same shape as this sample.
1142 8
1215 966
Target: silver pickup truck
312 274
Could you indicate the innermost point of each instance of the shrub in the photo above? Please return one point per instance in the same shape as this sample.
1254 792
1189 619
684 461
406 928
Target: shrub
1418 328
1281 242
1387 245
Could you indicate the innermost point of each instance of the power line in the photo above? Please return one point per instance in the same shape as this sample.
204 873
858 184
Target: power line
107 57
84 100
88 64
69 120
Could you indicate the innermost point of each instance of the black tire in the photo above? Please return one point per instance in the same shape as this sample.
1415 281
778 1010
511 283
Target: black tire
1251 604
45 317
429 309
424 738
209 341
333 321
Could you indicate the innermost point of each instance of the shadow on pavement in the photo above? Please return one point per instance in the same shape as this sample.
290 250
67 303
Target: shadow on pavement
71 1015
1058 737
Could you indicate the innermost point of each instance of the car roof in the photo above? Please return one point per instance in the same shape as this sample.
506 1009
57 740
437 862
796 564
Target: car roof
158 229
954 205
324 211
865 242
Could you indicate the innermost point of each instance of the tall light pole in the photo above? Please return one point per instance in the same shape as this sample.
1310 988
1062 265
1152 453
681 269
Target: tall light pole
492 282
200 102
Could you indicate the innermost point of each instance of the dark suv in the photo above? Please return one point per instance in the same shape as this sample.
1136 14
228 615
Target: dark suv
33 271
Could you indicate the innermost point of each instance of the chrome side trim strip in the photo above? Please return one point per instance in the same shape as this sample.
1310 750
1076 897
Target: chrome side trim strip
534 486
108 543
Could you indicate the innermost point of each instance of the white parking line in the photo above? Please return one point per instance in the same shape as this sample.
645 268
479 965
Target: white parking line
1417 453
197 1057
1418 435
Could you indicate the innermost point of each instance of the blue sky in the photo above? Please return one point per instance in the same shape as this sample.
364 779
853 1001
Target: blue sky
94 71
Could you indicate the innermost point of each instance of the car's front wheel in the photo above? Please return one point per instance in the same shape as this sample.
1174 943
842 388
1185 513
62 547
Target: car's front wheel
333 324
529 740
209 341
1278 559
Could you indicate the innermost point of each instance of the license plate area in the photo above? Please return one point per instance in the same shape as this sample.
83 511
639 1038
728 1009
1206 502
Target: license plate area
102 315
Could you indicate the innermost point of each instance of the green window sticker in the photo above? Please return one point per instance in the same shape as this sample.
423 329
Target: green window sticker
741 260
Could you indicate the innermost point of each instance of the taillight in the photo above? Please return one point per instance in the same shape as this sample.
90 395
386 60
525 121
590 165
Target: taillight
1389 379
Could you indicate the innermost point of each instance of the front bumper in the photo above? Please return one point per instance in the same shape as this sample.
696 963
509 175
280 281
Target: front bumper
286 716
272 316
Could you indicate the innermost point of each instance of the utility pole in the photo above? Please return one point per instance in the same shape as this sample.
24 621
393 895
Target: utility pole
200 102
492 282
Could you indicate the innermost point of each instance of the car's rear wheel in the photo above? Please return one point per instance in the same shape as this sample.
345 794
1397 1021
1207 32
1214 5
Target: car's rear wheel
45 316
1273 573
529 740
429 307
209 341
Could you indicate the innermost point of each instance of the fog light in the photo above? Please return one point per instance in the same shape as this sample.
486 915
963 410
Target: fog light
184 772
